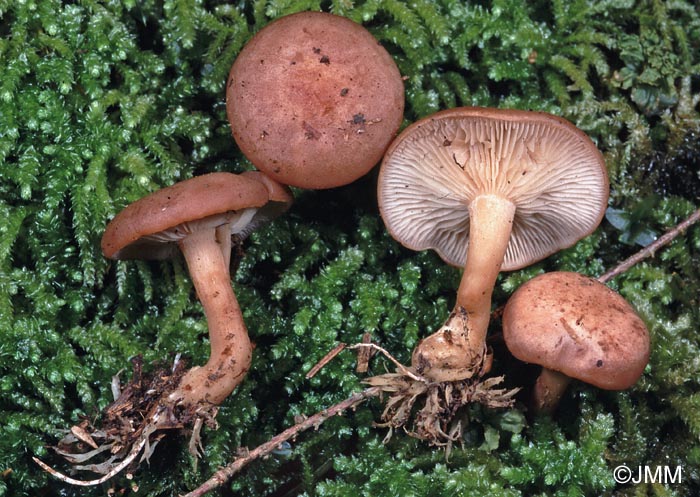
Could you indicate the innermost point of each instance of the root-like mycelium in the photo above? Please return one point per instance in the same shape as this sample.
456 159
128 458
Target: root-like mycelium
427 409
130 427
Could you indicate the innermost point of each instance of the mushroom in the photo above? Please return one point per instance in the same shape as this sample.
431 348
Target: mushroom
314 100
489 190
198 217
574 327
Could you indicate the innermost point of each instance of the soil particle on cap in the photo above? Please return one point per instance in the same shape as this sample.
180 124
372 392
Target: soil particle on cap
358 119
570 330
310 132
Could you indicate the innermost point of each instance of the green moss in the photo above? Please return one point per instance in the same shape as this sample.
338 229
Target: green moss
103 102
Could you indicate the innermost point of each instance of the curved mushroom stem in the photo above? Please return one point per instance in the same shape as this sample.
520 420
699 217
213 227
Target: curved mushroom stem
449 356
549 388
231 350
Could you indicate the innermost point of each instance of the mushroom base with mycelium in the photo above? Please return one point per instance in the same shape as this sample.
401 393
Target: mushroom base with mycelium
449 365
442 398
198 216
455 353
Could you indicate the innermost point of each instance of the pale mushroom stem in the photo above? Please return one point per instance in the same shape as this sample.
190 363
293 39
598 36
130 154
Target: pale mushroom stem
490 225
223 238
231 349
549 388
457 350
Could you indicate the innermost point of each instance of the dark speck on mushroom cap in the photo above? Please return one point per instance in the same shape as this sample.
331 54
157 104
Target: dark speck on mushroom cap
579 327
319 72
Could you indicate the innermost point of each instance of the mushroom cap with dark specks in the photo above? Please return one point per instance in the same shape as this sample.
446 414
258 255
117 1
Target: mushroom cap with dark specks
314 100
549 169
148 228
576 325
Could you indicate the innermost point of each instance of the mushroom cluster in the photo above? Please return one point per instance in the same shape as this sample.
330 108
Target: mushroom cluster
313 101
488 190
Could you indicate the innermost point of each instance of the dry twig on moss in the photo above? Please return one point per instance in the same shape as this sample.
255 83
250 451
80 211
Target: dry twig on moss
651 249
225 473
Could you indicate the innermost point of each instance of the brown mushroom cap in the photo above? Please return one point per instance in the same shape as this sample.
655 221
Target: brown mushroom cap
576 325
148 228
277 192
280 200
314 100
550 170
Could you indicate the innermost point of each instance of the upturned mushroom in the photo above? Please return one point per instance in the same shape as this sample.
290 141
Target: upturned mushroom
574 327
489 190
314 100
198 217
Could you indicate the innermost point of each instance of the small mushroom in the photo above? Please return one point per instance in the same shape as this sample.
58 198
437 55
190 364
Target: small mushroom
198 217
487 189
314 100
574 327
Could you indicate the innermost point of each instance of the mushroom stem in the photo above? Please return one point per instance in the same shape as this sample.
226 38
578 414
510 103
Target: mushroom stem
223 238
458 349
231 349
549 388
490 224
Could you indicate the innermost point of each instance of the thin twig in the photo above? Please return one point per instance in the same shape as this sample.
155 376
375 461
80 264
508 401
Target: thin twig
401 367
650 249
364 355
325 360
225 473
